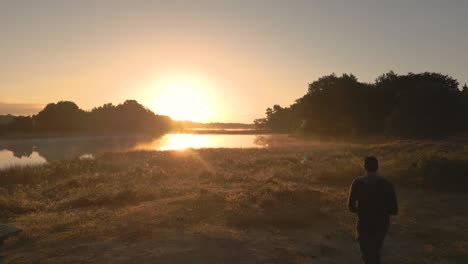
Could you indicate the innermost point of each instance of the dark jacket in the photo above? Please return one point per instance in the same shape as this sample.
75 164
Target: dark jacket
373 199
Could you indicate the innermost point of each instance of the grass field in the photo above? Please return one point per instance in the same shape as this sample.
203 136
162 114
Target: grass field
273 205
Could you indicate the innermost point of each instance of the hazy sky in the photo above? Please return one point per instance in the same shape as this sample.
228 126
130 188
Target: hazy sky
231 59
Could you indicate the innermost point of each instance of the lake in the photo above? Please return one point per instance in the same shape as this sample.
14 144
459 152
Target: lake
19 152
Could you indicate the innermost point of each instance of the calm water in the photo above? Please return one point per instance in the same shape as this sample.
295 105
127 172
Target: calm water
37 151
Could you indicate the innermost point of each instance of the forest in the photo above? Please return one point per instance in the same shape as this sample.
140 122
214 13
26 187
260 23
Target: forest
410 106
65 118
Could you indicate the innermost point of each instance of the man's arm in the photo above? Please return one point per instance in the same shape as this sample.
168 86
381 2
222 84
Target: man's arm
352 199
392 203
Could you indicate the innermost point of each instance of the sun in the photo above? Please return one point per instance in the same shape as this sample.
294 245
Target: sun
182 99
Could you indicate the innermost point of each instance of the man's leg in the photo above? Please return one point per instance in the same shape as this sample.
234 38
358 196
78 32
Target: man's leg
379 243
370 244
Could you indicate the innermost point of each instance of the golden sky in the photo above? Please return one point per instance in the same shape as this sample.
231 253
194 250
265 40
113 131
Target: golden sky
214 60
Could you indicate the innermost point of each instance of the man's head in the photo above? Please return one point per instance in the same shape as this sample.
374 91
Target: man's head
371 164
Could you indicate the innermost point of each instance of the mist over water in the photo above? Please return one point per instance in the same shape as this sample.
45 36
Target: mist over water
20 152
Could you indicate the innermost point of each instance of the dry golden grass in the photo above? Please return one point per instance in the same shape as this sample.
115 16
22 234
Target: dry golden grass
278 205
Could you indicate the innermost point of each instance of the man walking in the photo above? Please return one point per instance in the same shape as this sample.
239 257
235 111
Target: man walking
373 199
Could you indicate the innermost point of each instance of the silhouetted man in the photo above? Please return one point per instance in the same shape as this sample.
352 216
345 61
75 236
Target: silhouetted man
373 199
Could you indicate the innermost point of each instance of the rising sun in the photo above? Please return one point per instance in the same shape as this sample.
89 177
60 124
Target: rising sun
182 99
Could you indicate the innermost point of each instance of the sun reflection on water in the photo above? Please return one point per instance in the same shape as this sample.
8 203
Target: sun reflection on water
184 141
187 141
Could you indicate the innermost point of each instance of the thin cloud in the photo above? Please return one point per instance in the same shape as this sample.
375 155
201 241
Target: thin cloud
19 109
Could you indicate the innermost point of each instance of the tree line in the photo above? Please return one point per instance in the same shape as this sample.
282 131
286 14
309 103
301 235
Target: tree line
412 105
66 117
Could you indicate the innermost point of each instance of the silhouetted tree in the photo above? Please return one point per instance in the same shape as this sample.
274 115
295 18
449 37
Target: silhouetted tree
129 117
426 104
22 123
412 105
63 116
66 117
